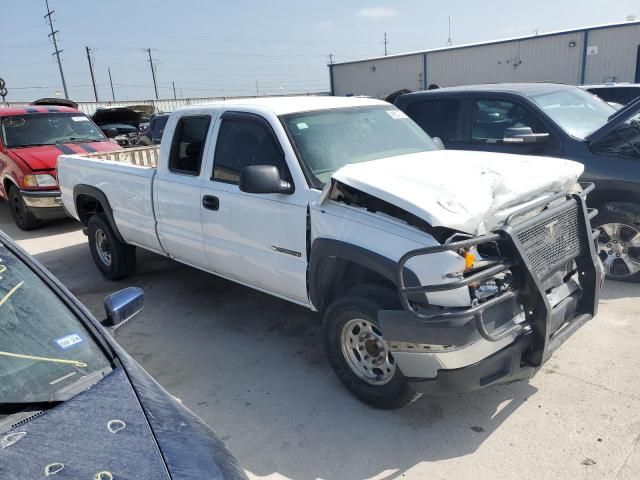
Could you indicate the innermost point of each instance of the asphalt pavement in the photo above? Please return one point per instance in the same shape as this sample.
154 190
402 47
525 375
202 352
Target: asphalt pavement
253 367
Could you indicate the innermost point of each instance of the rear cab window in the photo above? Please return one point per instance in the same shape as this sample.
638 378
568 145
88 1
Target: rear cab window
187 146
439 117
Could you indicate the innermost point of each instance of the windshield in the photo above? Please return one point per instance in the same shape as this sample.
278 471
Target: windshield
579 113
330 139
48 129
46 354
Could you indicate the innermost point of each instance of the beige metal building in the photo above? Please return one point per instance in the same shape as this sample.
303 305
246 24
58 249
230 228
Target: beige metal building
604 53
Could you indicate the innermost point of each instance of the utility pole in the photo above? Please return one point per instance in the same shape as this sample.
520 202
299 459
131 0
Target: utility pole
386 42
330 59
257 92
153 73
174 90
113 95
450 40
93 77
56 51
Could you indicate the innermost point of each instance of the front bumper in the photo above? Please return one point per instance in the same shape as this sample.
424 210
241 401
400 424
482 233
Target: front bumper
509 336
45 204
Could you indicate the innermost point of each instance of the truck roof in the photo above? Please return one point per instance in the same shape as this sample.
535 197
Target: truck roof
527 89
10 111
286 105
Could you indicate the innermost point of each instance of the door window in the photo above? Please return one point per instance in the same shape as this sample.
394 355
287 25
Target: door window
188 144
490 120
243 142
438 117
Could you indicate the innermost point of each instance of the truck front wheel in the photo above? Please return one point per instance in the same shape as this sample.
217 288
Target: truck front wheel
114 258
358 352
619 240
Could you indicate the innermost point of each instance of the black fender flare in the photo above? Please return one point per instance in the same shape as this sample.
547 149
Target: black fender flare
101 198
323 266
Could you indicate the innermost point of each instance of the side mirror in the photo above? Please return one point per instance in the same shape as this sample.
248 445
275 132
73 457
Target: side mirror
524 135
110 132
263 179
122 306
438 142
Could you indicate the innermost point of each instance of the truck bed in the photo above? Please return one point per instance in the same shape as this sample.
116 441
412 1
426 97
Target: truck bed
126 179
141 156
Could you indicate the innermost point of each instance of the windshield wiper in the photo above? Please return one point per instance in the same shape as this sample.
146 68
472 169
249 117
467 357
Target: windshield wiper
75 363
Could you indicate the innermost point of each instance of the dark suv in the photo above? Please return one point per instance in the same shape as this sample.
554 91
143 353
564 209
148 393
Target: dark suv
558 121
153 133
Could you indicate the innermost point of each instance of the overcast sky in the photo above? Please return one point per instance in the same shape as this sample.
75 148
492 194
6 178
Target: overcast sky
230 47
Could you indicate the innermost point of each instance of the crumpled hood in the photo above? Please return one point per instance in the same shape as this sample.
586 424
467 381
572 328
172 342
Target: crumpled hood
44 157
76 434
472 192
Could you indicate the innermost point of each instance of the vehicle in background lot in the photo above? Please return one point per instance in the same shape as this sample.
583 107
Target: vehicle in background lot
153 133
124 120
436 271
616 93
60 102
553 120
31 138
65 383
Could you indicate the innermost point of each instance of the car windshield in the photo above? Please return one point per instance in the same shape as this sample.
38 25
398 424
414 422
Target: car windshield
578 112
46 353
330 139
48 129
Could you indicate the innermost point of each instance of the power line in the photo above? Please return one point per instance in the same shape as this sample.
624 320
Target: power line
57 51
93 77
153 73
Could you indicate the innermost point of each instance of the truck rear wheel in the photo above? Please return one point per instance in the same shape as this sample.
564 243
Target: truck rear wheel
358 352
25 220
115 259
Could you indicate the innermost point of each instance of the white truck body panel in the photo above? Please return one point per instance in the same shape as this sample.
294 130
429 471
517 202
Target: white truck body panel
128 188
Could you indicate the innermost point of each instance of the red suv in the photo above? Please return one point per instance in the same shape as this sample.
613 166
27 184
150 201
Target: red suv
31 138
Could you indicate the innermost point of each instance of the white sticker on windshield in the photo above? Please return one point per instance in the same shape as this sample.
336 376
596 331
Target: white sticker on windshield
301 125
80 119
396 114
68 341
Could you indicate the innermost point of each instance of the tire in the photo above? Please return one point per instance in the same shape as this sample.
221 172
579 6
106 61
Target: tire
619 240
22 216
115 259
343 319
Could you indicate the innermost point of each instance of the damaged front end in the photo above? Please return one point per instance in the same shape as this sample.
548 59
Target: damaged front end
532 282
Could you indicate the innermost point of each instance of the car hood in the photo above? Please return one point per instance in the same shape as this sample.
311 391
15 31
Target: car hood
472 192
44 157
104 116
79 434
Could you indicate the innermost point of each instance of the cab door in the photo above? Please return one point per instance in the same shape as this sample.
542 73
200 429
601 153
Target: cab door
177 190
256 239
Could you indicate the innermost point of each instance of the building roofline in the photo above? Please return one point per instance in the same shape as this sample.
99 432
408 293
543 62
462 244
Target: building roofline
494 42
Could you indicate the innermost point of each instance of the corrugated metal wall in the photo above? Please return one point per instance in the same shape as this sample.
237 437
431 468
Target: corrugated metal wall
616 57
379 78
554 58
537 59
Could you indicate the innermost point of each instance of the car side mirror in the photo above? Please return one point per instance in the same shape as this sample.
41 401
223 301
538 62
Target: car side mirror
110 132
439 143
122 305
524 135
263 179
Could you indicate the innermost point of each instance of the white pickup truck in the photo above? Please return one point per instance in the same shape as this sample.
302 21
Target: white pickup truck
436 271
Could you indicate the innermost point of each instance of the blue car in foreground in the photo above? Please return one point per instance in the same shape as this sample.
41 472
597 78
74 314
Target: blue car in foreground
73 404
